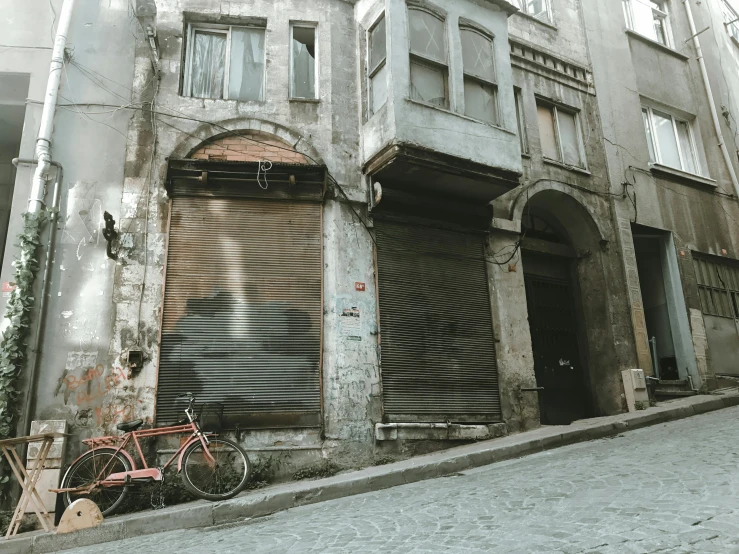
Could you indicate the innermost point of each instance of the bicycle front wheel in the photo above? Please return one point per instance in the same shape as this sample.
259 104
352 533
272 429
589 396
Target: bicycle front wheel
222 475
88 470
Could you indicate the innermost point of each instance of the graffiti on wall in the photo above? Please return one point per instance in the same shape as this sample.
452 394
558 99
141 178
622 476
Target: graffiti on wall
90 384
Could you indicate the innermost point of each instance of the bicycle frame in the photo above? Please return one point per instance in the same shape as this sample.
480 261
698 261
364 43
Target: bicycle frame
147 473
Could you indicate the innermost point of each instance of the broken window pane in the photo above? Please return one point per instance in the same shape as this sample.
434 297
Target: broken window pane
648 131
569 138
378 84
208 67
246 70
686 147
427 35
477 54
546 133
428 84
537 9
666 138
303 78
479 101
377 45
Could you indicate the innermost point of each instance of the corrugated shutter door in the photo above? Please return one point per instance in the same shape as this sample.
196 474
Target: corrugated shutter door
242 310
438 350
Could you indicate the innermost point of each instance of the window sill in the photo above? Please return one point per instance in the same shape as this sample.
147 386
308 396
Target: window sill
460 115
537 20
580 170
305 100
682 175
525 155
655 44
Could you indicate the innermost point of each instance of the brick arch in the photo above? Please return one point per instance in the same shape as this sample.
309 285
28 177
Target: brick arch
248 146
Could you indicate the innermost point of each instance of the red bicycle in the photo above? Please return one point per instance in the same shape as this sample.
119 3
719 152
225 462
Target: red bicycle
213 468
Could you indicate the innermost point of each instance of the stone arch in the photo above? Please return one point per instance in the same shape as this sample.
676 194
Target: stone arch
571 206
188 143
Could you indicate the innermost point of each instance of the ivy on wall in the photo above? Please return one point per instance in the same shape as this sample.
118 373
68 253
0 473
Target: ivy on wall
14 343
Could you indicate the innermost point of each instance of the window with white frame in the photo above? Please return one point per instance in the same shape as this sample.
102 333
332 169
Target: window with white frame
303 62
535 8
559 131
225 62
377 58
478 63
429 68
521 121
670 140
731 19
649 18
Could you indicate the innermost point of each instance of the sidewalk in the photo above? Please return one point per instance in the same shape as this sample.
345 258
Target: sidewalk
281 497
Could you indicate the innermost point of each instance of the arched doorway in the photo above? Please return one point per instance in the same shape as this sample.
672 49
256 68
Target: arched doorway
560 247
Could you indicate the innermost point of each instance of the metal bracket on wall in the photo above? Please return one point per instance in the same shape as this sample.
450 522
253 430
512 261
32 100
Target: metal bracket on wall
110 234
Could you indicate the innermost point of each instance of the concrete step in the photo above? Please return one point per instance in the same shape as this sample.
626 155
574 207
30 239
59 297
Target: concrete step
664 391
677 382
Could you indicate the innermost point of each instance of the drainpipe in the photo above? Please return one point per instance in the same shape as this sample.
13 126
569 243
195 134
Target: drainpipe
27 413
711 104
43 142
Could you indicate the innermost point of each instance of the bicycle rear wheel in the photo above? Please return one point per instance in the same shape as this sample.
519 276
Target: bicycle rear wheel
220 480
87 469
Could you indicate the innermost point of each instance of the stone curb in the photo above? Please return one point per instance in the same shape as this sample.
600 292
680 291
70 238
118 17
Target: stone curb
282 497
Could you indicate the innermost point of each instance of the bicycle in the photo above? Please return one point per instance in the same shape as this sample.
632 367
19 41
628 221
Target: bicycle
213 468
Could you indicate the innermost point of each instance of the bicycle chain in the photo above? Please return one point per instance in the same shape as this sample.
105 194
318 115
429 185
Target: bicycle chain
158 504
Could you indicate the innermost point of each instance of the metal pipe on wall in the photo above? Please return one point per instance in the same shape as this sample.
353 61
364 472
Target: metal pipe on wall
711 103
43 140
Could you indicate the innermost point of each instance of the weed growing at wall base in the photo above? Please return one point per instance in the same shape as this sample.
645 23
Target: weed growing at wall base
13 345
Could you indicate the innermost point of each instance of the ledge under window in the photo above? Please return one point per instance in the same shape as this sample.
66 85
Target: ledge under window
565 166
460 115
678 174
537 20
306 100
656 44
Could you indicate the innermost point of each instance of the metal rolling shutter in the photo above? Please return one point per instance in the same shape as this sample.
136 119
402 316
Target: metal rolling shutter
242 310
438 351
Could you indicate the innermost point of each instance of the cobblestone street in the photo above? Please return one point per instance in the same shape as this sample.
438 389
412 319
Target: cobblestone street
667 488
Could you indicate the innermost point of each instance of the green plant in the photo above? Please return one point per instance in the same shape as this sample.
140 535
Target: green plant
325 468
381 461
14 343
263 473
639 405
6 515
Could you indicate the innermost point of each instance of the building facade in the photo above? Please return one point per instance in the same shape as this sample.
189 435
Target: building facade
360 230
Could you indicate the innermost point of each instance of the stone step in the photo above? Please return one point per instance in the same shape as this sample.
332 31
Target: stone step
674 392
677 382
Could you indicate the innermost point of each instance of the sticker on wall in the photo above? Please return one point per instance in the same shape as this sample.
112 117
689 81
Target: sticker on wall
351 323
7 289
359 286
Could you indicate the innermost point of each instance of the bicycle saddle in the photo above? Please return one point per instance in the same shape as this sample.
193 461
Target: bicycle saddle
127 426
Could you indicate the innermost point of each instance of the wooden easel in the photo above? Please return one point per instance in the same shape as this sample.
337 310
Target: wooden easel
28 480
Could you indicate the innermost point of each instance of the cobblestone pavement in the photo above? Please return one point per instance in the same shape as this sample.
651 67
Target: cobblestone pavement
667 488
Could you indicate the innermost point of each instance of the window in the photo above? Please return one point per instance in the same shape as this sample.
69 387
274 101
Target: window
521 121
303 62
377 66
731 20
428 58
535 8
648 18
718 286
559 131
225 62
480 90
670 141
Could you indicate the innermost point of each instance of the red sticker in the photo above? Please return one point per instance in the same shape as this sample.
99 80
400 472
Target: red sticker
359 286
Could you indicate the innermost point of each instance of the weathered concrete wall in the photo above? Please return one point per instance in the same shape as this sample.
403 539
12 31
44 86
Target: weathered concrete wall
78 325
627 71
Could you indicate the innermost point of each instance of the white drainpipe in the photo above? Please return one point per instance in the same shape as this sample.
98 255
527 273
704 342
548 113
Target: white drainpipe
43 141
711 104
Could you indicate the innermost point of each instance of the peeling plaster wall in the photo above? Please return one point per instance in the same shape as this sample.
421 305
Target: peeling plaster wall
79 373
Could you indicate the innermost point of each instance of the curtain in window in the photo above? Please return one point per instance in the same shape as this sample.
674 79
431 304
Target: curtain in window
246 71
666 138
686 147
208 67
546 133
570 141
304 63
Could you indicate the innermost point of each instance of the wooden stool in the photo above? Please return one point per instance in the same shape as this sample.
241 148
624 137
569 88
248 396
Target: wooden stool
28 480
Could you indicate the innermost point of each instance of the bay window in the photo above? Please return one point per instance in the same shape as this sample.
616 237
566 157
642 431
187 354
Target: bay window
429 69
480 90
